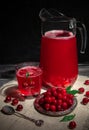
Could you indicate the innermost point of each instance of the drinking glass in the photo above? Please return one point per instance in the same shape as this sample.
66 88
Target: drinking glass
29 79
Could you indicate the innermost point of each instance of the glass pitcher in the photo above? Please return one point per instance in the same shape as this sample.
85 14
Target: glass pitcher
58 56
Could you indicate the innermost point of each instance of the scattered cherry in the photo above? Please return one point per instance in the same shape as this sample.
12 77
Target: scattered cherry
72 125
86 82
81 90
19 107
85 101
7 99
87 94
14 101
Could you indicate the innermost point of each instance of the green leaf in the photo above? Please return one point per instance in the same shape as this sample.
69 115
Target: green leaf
68 88
67 118
27 74
73 92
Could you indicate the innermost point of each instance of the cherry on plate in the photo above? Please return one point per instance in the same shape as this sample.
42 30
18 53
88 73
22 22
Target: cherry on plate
85 101
81 90
86 82
87 94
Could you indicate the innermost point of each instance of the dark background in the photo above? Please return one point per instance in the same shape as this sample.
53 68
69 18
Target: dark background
20 30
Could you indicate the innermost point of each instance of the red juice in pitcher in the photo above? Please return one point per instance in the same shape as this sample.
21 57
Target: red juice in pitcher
58 58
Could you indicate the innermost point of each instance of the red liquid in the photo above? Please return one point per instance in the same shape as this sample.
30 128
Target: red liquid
29 80
58 58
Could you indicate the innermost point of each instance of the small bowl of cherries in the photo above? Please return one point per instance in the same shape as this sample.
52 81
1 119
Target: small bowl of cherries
55 101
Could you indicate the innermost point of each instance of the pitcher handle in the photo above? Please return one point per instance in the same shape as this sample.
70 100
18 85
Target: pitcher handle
83 32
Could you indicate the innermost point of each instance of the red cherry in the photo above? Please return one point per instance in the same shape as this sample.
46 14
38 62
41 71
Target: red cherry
45 94
72 124
59 96
86 82
64 105
59 108
47 106
59 101
48 99
64 98
41 101
19 107
14 101
70 96
7 99
85 101
59 90
53 108
81 90
64 91
55 93
70 102
48 93
53 89
54 101
53 98
87 94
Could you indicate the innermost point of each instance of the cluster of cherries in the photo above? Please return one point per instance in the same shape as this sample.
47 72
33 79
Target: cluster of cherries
85 99
56 99
14 102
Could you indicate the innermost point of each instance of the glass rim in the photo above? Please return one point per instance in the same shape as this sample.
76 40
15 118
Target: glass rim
39 71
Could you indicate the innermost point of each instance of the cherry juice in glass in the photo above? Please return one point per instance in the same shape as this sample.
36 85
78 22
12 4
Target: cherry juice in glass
58 58
29 80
